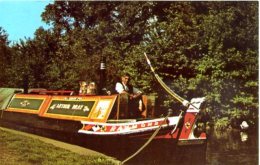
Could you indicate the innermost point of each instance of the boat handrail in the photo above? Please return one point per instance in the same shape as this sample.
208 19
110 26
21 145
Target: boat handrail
51 92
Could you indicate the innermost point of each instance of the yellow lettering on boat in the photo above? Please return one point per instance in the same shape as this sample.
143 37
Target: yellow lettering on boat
77 107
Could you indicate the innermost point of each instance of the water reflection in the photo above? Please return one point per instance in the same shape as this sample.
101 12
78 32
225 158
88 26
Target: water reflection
231 147
244 136
185 155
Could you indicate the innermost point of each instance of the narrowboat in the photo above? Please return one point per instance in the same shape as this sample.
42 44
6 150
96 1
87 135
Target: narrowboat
100 122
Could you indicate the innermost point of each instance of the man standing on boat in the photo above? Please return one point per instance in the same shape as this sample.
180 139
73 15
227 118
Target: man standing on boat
134 95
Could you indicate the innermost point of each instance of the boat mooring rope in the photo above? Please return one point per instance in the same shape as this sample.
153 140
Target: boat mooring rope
147 142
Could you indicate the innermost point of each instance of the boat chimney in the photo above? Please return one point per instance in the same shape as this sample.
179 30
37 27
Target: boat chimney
25 83
102 79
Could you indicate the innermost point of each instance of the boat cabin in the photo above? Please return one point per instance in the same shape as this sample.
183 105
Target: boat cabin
66 105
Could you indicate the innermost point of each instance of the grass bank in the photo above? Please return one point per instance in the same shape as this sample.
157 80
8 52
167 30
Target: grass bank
26 149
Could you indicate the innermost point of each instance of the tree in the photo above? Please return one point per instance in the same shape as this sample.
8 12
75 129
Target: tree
198 48
4 56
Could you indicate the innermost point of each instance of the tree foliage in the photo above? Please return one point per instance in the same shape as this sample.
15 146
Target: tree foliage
198 48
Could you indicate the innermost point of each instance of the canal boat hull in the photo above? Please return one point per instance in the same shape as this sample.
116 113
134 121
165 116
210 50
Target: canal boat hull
85 121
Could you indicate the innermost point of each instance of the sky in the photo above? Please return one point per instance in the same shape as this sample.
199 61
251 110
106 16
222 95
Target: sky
21 18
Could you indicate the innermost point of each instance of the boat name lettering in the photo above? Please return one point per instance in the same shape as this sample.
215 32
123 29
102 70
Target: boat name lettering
134 126
60 106
77 107
70 106
131 126
150 124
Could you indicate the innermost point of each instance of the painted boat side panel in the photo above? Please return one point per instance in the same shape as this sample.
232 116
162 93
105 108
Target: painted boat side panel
33 104
128 128
88 108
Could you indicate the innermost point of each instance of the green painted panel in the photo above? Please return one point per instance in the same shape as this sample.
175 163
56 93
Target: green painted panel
71 108
26 104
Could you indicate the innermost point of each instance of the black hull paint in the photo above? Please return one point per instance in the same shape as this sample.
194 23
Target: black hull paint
159 151
35 121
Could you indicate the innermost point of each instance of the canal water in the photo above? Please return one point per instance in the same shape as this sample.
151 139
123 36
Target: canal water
228 147
232 147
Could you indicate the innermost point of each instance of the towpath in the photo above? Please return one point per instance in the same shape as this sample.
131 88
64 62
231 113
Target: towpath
67 146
